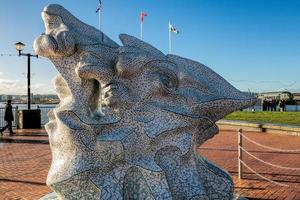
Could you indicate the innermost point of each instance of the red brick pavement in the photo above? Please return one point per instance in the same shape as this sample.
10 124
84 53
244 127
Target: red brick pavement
24 166
222 150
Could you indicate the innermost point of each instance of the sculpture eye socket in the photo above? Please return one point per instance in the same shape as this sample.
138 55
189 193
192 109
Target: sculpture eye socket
169 81
54 21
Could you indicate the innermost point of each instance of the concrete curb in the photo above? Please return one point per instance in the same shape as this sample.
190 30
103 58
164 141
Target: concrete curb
259 127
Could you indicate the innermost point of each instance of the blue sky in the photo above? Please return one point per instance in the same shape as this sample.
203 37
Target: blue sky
253 44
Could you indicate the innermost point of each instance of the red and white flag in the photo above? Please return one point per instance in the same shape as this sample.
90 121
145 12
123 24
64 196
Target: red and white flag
142 16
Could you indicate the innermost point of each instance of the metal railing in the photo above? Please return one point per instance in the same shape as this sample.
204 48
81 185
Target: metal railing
44 116
15 113
242 164
44 113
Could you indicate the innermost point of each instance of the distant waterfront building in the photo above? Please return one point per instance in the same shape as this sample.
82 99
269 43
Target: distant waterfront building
281 95
9 97
296 96
35 99
23 99
3 97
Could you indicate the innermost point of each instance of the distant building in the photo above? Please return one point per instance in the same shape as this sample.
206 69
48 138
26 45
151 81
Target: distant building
23 99
3 97
9 97
282 95
35 99
296 96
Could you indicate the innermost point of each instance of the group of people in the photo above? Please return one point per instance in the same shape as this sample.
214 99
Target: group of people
8 117
271 105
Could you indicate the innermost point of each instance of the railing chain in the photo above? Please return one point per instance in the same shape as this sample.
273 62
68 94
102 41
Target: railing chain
271 148
241 163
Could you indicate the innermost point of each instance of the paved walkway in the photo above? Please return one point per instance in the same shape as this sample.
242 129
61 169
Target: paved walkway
24 164
222 150
25 161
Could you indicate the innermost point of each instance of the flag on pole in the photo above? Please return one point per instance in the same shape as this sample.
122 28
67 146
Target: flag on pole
142 16
99 6
173 29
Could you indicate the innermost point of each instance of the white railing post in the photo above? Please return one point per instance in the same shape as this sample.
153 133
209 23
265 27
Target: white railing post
240 153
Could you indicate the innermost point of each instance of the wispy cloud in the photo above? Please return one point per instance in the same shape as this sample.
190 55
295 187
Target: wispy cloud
16 87
8 86
8 82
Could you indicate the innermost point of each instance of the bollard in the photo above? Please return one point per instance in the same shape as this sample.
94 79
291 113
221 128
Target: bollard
240 153
16 117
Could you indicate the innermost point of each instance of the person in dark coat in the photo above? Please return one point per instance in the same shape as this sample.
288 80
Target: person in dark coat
8 117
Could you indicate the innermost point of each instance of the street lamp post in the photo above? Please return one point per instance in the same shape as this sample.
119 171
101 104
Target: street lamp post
20 46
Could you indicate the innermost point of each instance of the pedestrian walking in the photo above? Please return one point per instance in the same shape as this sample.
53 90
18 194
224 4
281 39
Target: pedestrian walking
8 117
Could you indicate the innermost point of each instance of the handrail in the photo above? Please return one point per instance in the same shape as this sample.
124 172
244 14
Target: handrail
241 162
271 148
268 163
263 177
44 110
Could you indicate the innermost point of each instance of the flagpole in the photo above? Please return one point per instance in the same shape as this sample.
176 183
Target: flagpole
100 28
141 30
170 45
100 19
101 91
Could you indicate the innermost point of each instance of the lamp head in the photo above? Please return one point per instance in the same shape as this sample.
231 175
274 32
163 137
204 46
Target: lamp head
19 46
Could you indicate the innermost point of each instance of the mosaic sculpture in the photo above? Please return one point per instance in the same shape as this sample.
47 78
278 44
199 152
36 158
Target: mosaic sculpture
130 118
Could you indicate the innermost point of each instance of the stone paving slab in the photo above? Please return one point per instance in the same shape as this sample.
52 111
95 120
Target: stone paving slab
24 166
